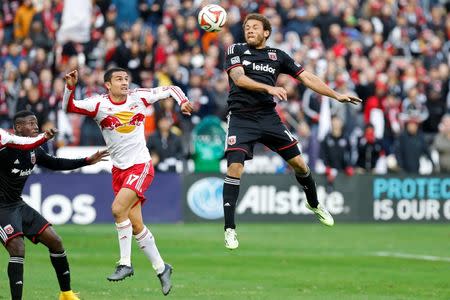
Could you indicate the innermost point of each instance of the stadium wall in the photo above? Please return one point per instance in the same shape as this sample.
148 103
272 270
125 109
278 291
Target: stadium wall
86 198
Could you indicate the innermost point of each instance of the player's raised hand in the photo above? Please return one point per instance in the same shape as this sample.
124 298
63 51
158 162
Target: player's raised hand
278 92
50 133
71 78
187 108
348 99
97 157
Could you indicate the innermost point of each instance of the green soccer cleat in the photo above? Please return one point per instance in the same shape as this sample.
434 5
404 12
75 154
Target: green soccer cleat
231 241
322 214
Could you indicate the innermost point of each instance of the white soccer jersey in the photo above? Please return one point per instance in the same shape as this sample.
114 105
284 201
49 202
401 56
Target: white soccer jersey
122 124
20 142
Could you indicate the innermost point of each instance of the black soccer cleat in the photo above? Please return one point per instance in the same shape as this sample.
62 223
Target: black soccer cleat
164 278
121 272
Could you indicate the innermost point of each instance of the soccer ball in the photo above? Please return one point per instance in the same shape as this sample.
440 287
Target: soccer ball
212 17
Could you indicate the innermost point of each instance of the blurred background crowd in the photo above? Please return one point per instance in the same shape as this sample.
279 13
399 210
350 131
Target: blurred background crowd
393 54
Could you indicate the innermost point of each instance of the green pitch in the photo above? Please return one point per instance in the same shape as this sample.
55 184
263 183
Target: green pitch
274 261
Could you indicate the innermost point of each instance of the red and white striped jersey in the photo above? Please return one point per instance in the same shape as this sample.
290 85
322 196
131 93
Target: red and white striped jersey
122 124
20 142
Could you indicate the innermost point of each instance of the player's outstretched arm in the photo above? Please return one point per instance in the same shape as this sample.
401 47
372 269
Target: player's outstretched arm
237 74
24 143
150 96
87 107
317 85
59 164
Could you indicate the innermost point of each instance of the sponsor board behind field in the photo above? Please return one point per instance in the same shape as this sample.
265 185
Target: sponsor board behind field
411 199
84 198
279 198
262 198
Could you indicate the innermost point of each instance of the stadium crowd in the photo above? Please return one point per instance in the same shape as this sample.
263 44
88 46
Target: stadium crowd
393 54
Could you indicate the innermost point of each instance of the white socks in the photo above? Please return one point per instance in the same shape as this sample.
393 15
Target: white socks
147 244
124 233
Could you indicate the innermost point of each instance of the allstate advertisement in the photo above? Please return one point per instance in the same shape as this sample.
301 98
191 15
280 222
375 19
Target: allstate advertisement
411 199
87 198
279 198
275 198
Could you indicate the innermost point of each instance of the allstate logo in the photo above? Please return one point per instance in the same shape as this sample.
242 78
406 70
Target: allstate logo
204 198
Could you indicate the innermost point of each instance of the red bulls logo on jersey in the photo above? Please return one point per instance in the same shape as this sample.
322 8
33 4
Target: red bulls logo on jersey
110 122
123 122
137 120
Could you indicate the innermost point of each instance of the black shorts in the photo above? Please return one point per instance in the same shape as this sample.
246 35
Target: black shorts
19 221
265 127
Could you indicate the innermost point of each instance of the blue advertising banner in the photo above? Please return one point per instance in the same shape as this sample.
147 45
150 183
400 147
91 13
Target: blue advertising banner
363 198
86 198
411 198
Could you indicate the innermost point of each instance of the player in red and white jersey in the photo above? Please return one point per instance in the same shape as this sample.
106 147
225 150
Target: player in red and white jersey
120 115
24 143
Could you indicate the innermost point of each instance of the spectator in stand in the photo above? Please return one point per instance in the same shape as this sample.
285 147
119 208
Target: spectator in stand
370 149
442 144
8 10
414 106
39 36
34 103
127 12
336 151
152 12
22 19
166 147
411 146
13 55
375 101
436 90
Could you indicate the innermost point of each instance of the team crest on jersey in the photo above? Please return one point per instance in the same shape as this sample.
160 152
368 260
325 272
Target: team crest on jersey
272 55
8 229
232 140
33 157
235 60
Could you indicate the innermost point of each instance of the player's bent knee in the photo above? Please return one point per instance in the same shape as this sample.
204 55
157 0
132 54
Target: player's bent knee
298 164
56 244
118 210
16 247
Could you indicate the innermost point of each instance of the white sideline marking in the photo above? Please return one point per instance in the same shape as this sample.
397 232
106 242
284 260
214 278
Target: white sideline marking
412 256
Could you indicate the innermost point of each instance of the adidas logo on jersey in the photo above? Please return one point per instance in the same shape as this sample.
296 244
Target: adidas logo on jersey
265 68
16 162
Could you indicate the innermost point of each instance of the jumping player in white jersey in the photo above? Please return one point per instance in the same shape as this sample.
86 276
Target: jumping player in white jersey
120 115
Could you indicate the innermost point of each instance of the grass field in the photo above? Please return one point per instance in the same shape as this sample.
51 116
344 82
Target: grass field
274 261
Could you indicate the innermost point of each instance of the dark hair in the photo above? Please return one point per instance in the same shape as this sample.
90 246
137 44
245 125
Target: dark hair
109 73
261 18
21 114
